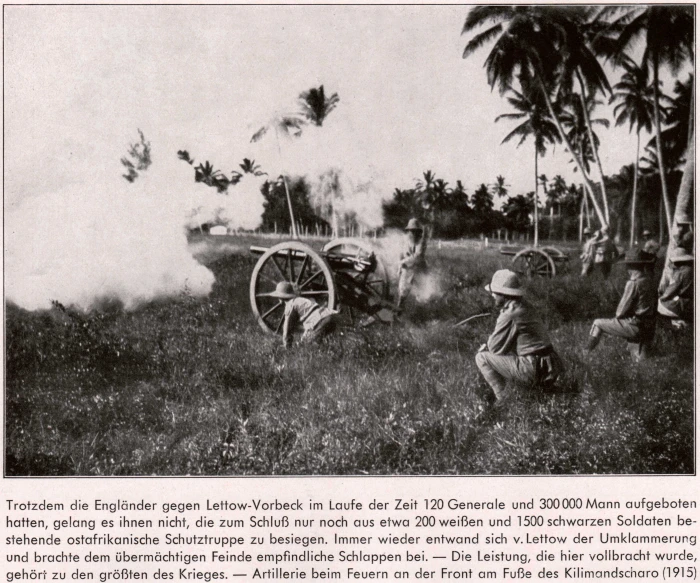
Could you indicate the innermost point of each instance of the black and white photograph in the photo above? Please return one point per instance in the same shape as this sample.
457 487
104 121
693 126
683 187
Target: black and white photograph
349 240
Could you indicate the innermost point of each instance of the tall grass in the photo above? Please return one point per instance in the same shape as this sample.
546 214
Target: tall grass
193 386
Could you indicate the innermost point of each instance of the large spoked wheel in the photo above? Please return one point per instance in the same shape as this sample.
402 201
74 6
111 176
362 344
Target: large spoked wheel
365 289
533 262
298 264
561 259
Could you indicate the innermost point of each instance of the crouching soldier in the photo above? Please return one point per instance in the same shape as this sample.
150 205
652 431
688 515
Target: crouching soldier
316 320
635 316
676 295
519 349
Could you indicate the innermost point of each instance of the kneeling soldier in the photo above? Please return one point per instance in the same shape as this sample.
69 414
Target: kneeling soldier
318 321
635 316
519 348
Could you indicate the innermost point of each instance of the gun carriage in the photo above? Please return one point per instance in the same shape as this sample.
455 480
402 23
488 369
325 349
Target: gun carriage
345 275
537 261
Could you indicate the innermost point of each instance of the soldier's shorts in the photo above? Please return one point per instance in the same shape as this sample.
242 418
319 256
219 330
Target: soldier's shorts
320 330
639 338
409 278
527 371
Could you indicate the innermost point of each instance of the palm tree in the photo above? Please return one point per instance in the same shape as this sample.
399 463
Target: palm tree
677 116
634 100
500 188
576 124
541 45
517 211
593 35
291 125
668 36
205 173
315 106
536 122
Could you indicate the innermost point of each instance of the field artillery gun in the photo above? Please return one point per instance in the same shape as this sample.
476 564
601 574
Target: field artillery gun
537 261
346 275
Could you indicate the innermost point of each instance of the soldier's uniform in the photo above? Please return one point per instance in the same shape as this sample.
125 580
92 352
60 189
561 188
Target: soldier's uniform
519 349
588 252
605 253
316 320
683 236
635 315
676 295
412 264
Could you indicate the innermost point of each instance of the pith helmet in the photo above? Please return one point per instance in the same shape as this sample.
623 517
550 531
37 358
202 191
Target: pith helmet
283 291
646 233
587 231
413 225
636 257
505 282
680 255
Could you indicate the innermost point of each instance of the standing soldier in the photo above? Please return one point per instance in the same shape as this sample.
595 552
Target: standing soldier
676 295
605 252
317 321
588 252
412 265
519 349
635 316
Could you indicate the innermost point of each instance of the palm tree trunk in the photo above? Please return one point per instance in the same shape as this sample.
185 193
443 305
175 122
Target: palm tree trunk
684 202
634 194
659 151
565 139
580 220
587 118
295 235
535 201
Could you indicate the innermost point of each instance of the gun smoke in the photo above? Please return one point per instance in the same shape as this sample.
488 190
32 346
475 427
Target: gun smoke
103 238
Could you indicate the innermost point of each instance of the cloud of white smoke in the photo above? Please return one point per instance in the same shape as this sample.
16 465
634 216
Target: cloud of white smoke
333 161
390 247
102 237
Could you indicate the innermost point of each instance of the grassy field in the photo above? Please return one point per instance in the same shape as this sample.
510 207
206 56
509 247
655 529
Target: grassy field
192 386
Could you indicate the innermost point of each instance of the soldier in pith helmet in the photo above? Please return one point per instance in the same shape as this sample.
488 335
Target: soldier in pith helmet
635 316
519 349
317 321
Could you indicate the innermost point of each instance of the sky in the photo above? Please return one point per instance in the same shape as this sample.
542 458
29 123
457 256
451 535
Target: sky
79 81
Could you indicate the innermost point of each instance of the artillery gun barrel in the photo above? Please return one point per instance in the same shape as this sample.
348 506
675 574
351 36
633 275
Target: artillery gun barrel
281 253
336 260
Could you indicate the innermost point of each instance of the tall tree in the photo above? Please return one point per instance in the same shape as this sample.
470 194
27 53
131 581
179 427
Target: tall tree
205 173
139 158
315 106
677 117
633 97
535 43
290 125
536 123
667 34
500 188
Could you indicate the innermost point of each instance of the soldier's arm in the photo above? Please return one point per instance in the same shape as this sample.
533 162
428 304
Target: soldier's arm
289 313
672 289
625 308
503 337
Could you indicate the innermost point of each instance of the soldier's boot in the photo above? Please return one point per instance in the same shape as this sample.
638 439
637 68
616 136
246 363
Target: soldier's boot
594 338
